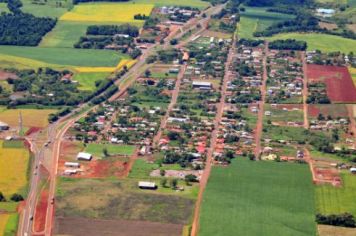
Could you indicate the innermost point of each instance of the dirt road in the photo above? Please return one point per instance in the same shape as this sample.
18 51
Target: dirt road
208 165
305 91
261 105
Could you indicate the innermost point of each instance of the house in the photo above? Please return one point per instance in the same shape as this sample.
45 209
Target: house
72 164
70 172
202 85
3 126
353 170
83 156
147 185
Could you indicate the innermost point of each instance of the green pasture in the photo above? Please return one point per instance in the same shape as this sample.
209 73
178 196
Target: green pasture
46 8
87 80
65 56
97 149
323 42
258 198
159 3
337 200
11 225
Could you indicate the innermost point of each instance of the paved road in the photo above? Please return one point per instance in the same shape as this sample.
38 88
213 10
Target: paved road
214 135
261 105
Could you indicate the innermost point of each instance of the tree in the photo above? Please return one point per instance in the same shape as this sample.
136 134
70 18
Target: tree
191 178
164 182
162 172
147 73
106 152
174 183
16 197
2 197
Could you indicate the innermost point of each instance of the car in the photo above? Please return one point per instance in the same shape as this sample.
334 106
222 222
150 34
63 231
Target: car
52 201
31 217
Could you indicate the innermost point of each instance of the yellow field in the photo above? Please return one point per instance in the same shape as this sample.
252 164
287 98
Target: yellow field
30 117
353 74
13 167
7 61
124 62
3 221
107 12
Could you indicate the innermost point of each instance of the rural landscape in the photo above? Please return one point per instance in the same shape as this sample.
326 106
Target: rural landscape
177 118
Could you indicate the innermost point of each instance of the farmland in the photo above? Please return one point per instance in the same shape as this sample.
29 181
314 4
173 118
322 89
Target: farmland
353 74
339 84
30 117
261 202
65 56
13 169
331 200
192 3
107 12
323 42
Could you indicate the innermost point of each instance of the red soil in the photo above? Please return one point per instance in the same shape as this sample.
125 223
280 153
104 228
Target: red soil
339 84
32 130
40 212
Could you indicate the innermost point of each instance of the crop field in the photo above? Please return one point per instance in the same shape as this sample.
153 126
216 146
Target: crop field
46 8
3 220
323 42
120 200
259 198
87 80
30 117
97 149
13 168
328 230
107 12
257 19
66 56
332 200
339 84
353 74
11 224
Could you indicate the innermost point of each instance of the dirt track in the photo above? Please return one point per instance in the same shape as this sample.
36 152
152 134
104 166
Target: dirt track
305 92
92 227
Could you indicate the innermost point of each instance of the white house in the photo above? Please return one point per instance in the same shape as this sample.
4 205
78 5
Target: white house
83 156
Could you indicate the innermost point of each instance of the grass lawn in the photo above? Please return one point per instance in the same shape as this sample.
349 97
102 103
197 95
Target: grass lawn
191 3
65 56
11 224
107 12
48 8
142 169
323 42
13 169
258 198
121 199
30 117
97 149
337 200
87 80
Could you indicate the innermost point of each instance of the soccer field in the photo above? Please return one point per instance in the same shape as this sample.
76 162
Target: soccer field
258 198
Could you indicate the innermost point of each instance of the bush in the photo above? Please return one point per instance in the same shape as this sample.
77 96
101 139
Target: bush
345 220
16 197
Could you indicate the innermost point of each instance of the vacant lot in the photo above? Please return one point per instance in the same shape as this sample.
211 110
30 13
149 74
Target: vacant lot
30 117
65 56
97 149
339 84
94 227
107 12
332 200
334 110
258 198
119 199
87 80
323 42
191 3
13 169
328 230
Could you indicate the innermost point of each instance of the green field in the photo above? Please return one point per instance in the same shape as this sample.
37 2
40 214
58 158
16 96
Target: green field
258 198
65 56
142 169
87 80
257 19
97 149
47 8
332 200
192 3
11 225
323 42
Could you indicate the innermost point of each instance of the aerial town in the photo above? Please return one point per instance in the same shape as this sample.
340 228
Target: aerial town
177 118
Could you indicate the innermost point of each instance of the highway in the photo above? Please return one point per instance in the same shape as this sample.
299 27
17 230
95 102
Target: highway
48 155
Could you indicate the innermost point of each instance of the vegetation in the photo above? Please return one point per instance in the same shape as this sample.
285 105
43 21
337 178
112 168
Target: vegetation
288 44
97 149
89 81
283 201
344 220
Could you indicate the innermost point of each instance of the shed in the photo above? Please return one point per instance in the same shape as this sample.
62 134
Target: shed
72 164
353 170
3 126
147 185
199 84
84 156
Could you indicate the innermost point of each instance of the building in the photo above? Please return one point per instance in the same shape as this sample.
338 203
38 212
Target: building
72 164
83 156
147 185
3 126
202 85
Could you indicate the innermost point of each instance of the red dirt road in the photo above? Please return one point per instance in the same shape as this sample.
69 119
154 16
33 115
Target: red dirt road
305 92
339 84
40 213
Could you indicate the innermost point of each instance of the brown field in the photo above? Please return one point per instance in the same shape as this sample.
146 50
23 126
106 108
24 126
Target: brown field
352 27
30 117
6 75
335 110
93 227
327 230
328 26
208 33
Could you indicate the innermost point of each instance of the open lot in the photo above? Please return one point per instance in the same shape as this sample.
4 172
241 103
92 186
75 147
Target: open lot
13 170
94 227
107 12
337 200
328 230
87 80
265 198
97 149
339 84
120 200
323 42
30 117
191 3
335 110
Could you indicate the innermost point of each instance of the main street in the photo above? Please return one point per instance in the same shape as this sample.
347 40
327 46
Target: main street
55 132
